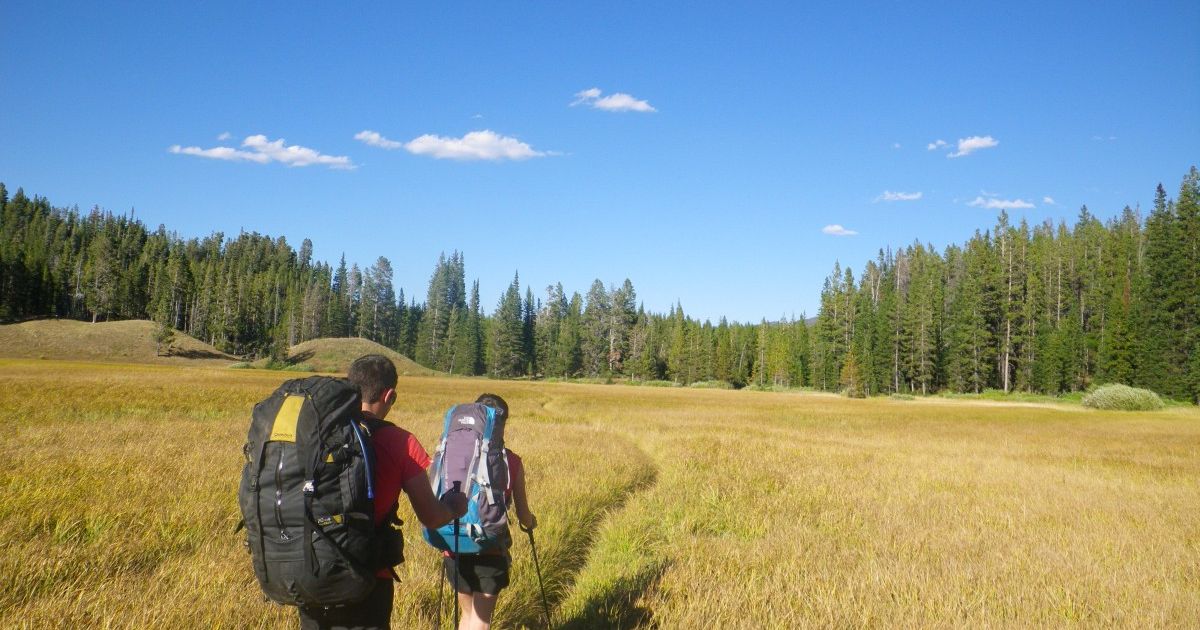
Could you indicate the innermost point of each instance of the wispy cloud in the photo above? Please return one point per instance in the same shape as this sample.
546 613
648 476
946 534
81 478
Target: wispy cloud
221 153
898 196
476 145
1103 138
224 136
616 102
895 145
1049 201
993 203
837 230
374 139
260 150
967 146
935 145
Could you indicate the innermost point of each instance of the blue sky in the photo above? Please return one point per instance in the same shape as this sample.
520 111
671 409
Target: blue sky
716 154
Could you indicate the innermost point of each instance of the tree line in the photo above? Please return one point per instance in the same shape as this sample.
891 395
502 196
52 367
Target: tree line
1044 308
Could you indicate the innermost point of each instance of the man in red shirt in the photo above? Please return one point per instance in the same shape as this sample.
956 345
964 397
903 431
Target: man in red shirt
400 463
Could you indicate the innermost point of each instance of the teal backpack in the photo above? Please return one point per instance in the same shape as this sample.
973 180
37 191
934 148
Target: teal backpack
472 456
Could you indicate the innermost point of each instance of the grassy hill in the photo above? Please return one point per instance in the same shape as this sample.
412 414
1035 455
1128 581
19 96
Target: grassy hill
126 342
336 355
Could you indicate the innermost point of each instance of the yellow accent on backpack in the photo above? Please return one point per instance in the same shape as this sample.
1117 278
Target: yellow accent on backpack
284 427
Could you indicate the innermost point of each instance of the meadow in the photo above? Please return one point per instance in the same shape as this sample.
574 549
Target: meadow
659 507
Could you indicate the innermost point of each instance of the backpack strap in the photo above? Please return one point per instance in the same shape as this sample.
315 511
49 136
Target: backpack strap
438 480
481 470
261 557
482 476
507 471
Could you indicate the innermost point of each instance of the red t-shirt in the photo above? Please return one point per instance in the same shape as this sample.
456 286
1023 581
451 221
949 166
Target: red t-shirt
515 467
399 457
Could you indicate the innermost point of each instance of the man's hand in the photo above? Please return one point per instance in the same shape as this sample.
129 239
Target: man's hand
528 523
456 502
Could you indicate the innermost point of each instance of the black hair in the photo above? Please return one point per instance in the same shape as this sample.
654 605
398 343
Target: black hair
373 374
495 402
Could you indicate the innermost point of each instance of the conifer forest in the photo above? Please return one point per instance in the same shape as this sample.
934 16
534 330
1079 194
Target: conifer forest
1045 308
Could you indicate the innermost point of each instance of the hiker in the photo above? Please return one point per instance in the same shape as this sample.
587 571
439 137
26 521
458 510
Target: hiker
401 462
481 576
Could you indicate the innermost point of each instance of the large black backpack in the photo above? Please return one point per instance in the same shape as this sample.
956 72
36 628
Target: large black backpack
307 495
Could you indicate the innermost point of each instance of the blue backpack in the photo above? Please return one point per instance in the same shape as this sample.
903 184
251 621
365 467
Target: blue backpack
471 453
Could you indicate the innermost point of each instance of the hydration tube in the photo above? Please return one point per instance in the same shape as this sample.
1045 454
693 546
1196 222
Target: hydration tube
366 458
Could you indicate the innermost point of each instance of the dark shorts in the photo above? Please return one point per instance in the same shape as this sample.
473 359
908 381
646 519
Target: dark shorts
483 573
373 612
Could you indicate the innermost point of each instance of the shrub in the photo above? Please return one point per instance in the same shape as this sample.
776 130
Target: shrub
299 367
241 366
902 397
658 384
711 385
1122 397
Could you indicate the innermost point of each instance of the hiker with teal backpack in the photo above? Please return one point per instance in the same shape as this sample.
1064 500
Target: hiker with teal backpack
320 488
475 548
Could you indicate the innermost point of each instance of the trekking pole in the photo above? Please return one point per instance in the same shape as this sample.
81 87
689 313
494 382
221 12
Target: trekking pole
454 596
441 573
538 569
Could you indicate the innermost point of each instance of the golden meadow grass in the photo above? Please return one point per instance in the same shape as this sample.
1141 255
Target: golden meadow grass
666 507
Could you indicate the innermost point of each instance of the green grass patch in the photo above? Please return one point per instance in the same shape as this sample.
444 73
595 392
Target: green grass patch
1119 397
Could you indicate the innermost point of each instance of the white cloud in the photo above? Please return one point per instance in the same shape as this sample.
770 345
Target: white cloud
967 146
261 151
895 145
937 144
477 117
1049 201
221 153
586 96
898 196
476 145
294 155
837 230
224 136
999 204
374 139
616 102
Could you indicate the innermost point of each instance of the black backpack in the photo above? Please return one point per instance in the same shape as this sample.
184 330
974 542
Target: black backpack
307 496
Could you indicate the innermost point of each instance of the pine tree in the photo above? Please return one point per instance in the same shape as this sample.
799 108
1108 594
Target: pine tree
506 355
596 329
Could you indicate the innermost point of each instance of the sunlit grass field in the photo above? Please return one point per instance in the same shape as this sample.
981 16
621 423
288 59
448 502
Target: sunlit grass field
672 508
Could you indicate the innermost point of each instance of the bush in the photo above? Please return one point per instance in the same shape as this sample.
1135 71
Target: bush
299 367
241 366
711 385
1123 398
902 397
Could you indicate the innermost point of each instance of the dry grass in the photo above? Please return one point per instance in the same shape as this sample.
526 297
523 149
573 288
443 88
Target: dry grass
130 341
660 507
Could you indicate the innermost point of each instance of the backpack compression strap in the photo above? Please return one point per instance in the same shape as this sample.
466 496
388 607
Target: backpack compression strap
438 479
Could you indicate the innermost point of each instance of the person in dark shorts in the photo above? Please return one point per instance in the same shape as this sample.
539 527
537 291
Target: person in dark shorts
401 462
482 576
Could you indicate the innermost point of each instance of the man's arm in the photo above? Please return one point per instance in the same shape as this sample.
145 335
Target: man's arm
429 510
